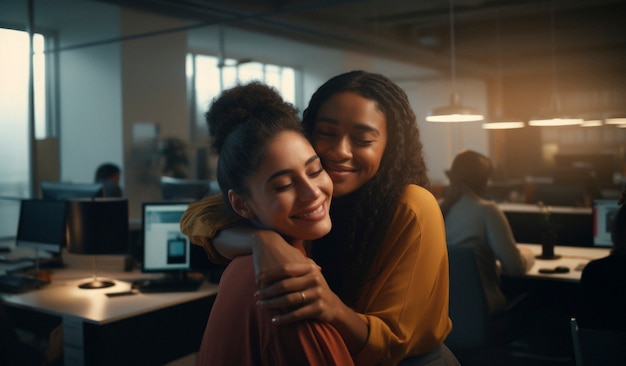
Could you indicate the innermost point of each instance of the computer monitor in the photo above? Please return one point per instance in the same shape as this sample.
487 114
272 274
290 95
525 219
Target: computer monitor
98 226
68 191
165 248
41 226
604 213
188 190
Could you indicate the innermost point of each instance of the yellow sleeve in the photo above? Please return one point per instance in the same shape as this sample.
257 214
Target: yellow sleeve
406 302
203 220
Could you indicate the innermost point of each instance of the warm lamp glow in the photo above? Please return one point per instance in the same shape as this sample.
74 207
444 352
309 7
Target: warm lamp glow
455 117
503 125
615 121
557 121
591 123
454 112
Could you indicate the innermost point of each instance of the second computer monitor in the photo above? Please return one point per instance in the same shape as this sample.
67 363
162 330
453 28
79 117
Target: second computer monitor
165 248
41 225
68 191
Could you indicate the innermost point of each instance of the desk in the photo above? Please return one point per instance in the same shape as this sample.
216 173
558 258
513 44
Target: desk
551 299
135 329
572 257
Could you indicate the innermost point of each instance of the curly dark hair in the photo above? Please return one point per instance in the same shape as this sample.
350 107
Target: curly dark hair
361 219
241 121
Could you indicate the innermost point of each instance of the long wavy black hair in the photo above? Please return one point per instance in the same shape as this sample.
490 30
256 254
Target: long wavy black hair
360 219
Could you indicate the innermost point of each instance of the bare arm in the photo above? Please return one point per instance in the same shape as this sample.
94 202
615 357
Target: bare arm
270 251
236 241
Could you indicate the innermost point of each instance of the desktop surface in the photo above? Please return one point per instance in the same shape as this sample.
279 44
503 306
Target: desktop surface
115 325
19 283
574 258
63 297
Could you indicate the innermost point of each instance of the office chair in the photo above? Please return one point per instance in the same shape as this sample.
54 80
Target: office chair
475 332
597 347
468 307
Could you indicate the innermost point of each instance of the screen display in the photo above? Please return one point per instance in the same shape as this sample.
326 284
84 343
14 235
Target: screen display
165 247
68 191
42 225
604 212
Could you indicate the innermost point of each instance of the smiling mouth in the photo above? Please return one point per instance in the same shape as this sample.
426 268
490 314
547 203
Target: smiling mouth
340 169
311 214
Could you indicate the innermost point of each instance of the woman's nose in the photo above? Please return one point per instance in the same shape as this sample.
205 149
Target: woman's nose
342 148
309 191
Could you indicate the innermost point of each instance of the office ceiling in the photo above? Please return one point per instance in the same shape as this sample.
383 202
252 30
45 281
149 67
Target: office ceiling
515 37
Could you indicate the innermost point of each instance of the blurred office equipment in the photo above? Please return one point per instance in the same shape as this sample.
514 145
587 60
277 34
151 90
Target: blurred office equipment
570 225
98 226
604 213
41 225
597 347
41 228
166 249
178 189
68 190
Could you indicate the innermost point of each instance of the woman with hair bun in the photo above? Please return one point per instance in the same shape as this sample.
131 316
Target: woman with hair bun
270 176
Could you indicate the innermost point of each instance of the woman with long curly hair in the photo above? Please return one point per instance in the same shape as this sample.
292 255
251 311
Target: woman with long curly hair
381 275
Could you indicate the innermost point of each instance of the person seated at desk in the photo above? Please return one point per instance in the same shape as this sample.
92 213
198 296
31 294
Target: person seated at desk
271 176
602 292
109 175
471 219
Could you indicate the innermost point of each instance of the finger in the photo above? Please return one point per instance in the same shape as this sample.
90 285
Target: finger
284 288
287 270
309 311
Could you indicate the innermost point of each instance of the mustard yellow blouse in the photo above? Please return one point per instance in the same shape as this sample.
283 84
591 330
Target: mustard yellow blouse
406 303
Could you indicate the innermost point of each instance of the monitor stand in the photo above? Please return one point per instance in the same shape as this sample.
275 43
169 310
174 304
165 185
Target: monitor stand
37 272
54 262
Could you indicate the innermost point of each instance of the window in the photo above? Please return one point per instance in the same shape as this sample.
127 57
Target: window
14 116
205 82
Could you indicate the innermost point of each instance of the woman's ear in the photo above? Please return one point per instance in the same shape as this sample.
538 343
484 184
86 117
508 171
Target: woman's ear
240 205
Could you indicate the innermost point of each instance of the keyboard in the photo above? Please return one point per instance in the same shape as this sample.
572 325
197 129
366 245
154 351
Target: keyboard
16 283
166 285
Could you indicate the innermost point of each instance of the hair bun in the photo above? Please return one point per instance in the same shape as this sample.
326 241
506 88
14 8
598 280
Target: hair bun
249 103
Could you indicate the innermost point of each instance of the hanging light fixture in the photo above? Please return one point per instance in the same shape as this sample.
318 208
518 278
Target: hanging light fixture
554 117
591 123
454 111
615 121
499 122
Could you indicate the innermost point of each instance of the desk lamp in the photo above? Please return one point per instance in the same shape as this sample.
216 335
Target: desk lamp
98 226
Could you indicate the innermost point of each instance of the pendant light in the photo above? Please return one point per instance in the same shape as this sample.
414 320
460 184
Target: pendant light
591 123
615 121
499 122
554 117
454 111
